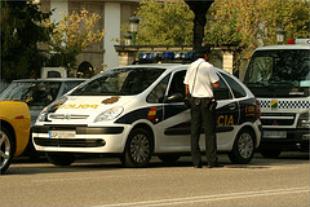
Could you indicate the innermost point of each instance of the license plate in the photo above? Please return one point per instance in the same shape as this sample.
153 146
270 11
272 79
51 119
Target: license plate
61 134
274 134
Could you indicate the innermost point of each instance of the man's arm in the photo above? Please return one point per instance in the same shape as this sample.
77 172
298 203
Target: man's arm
186 90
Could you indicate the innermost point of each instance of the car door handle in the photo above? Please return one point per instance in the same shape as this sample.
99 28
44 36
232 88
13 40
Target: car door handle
232 106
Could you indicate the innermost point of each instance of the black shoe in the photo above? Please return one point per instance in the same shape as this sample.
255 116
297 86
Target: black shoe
215 165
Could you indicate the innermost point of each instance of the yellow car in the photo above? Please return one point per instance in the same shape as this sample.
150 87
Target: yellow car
14 131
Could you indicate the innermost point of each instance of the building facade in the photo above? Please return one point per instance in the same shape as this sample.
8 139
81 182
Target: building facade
115 18
115 15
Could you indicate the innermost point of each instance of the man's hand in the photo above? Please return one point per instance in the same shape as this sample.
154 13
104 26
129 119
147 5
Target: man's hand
216 84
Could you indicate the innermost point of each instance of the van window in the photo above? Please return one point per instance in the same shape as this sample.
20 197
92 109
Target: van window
274 68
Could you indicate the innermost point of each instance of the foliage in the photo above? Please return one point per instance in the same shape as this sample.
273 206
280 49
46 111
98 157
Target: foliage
165 23
246 24
21 32
73 34
251 23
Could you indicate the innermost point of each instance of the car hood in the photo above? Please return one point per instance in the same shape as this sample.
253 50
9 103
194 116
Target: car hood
89 105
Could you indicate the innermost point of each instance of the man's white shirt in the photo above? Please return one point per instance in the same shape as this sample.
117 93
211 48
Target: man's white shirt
206 75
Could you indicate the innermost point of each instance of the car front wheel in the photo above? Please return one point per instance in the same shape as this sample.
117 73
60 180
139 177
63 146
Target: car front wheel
60 159
7 147
243 149
138 149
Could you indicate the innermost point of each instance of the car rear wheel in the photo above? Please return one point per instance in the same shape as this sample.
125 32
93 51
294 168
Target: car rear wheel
7 148
60 159
243 149
138 149
169 158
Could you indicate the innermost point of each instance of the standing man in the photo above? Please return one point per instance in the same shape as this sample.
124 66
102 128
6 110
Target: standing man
200 79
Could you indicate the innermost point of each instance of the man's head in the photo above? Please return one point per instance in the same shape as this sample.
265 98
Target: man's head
204 53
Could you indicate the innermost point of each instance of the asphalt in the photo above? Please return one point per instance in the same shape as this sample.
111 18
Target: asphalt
105 183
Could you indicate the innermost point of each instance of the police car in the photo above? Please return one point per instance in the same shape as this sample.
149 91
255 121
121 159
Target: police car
138 111
279 76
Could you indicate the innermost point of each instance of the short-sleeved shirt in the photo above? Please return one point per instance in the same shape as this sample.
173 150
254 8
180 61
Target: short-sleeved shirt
206 75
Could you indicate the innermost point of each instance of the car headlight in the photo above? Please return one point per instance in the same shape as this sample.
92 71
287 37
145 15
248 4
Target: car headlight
110 114
51 108
43 115
304 120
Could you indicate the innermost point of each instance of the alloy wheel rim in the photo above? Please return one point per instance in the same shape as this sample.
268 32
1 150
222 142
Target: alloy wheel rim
245 145
5 149
140 148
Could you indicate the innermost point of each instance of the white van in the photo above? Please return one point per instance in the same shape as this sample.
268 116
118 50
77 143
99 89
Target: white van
279 76
137 111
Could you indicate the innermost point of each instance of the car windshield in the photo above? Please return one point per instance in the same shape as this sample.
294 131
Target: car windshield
36 93
279 68
125 81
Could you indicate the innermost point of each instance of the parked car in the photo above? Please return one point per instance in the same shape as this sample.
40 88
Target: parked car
14 131
38 93
137 111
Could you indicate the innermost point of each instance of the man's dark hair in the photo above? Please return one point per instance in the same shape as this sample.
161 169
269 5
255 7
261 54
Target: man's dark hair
202 51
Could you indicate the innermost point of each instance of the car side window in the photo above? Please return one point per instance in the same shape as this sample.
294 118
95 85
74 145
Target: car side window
222 92
158 93
177 85
235 86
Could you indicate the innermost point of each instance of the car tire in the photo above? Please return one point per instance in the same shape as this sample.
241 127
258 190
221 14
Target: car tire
244 147
7 149
271 153
31 153
169 158
138 150
60 159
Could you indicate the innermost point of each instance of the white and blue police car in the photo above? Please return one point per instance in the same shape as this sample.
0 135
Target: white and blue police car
138 111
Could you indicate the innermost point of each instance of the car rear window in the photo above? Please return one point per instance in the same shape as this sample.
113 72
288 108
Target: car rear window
36 93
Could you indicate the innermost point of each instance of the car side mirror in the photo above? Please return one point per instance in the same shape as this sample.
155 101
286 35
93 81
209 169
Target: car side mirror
176 97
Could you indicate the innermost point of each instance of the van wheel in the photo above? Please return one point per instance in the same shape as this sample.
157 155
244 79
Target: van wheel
7 148
60 159
243 149
138 149
169 158
271 153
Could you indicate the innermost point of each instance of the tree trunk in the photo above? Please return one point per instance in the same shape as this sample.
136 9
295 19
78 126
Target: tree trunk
200 9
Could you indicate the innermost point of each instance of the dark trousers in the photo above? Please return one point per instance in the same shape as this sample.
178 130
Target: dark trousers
203 117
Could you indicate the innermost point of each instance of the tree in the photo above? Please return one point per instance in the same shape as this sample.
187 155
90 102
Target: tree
164 23
248 24
71 35
21 31
200 9
251 23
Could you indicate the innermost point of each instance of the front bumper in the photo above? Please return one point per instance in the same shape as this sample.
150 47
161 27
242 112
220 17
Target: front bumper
296 139
79 139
